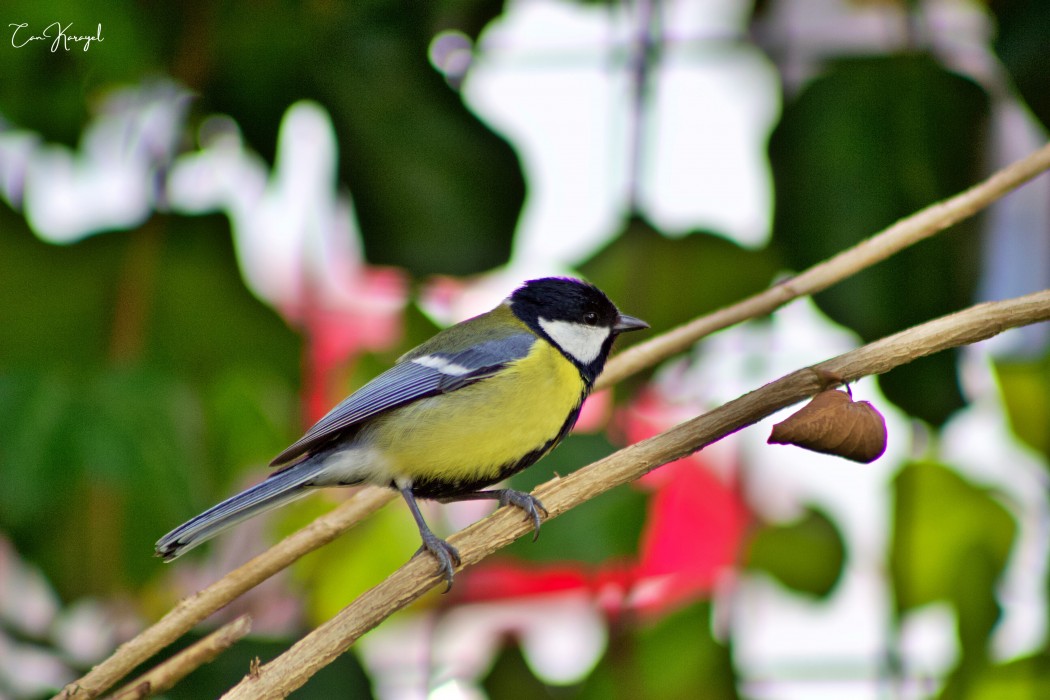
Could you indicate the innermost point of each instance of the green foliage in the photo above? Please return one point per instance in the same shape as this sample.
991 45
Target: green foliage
1020 43
343 678
943 526
127 400
807 555
435 191
59 299
139 379
871 141
1020 679
335 575
688 282
1025 387
511 677
951 541
51 92
675 657
600 530
414 156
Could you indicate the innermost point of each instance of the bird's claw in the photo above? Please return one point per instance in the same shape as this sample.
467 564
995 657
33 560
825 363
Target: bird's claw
528 503
446 555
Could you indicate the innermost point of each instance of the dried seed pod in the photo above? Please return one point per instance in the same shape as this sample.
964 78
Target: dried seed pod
833 423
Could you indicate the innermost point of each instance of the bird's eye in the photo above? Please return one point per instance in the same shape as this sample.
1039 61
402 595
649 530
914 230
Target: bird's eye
590 318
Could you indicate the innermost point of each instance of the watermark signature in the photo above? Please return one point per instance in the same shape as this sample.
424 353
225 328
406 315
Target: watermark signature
59 36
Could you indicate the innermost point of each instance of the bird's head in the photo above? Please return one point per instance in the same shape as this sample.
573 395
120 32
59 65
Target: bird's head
575 316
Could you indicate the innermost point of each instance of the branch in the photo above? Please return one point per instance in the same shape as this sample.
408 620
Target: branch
192 610
907 231
166 675
921 225
293 668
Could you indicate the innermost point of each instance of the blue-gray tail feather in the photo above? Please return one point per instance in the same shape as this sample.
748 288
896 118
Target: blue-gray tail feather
279 488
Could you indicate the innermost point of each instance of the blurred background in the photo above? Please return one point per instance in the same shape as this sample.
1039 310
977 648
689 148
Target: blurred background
220 218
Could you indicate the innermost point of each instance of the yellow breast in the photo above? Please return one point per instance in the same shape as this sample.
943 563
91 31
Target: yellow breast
471 433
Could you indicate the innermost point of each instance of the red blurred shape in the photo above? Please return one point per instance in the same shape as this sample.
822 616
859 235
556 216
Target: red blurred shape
368 319
691 536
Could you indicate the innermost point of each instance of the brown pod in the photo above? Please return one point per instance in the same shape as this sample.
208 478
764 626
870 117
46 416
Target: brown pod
833 423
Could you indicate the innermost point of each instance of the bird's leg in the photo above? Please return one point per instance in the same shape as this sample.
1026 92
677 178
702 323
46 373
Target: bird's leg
507 497
446 554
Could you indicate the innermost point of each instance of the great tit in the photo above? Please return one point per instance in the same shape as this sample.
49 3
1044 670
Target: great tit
476 403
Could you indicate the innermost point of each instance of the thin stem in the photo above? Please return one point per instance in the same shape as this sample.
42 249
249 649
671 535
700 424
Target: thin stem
164 676
292 669
192 610
906 232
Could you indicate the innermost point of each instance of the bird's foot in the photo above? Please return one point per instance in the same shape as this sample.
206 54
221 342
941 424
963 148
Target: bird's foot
528 503
446 555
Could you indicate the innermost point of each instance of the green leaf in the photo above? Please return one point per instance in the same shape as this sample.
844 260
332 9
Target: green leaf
869 142
511 677
434 189
947 534
686 633
97 466
951 541
1025 388
34 411
1020 41
131 360
1020 679
807 556
671 658
60 298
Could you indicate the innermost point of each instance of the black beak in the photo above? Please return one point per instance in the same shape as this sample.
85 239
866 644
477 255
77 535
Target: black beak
629 323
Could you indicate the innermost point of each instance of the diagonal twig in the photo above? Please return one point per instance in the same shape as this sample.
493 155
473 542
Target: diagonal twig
908 231
293 668
192 610
167 674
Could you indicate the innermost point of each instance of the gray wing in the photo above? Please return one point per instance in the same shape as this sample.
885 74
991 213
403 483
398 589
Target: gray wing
415 377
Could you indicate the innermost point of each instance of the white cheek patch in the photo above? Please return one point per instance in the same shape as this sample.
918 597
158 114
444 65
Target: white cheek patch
581 341
442 365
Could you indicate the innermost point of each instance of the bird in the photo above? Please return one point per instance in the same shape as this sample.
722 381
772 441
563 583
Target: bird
476 403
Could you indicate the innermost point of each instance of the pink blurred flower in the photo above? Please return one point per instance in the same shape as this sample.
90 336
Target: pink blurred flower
337 334
595 413
692 534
